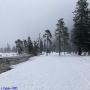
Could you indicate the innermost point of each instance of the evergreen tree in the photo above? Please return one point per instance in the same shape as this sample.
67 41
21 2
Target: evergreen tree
35 48
58 32
19 46
44 46
25 46
81 27
62 35
65 39
88 33
41 46
29 45
48 37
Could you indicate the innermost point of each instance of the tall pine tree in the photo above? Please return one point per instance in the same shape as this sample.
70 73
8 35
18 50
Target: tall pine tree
29 45
48 41
81 26
62 35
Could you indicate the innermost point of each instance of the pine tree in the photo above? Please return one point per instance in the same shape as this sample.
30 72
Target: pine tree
62 35
65 39
25 46
41 46
58 32
88 31
44 45
29 45
19 46
81 26
35 48
48 37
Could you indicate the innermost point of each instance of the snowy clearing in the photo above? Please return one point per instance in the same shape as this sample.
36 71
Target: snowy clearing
49 73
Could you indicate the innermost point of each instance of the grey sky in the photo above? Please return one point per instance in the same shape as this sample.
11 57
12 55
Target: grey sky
22 18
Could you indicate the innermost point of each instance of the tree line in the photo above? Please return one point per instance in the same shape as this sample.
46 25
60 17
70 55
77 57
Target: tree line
46 43
27 46
8 49
78 41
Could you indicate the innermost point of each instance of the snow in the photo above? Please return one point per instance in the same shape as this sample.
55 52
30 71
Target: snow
49 73
8 54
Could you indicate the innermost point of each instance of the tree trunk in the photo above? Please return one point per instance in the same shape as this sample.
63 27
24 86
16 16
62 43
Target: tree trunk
59 46
79 51
47 48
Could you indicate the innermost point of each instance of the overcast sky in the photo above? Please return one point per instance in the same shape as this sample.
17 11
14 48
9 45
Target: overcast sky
22 18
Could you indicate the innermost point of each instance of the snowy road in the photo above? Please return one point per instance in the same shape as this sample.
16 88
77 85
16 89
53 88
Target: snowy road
49 73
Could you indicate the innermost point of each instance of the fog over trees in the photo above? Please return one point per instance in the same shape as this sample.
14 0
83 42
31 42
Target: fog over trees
61 39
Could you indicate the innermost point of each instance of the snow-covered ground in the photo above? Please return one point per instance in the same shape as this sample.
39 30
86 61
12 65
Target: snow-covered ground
8 54
49 73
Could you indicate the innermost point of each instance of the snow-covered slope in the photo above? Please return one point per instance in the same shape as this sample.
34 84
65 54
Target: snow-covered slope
49 73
